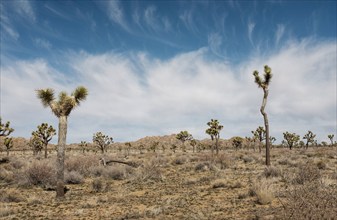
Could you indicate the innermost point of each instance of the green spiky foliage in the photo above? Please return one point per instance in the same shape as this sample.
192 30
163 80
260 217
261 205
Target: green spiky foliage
291 139
214 131
237 142
259 134
184 136
36 144
272 140
45 132
8 142
62 109
331 136
102 141
65 103
83 146
264 84
310 138
5 129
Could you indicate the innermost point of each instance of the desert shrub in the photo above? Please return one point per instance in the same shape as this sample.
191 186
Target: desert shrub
307 173
263 192
321 165
6 175
95 171
17 163
247 159
81 164
223 161
97 185
271 171
10 195
218 184
180 160
5 211
73 177
204 166
40 173
149 172
115 173
310 201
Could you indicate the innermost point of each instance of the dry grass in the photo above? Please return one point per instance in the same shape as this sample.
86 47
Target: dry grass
231 185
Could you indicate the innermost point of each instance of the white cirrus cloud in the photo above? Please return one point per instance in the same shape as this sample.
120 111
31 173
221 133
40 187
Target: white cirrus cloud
132 95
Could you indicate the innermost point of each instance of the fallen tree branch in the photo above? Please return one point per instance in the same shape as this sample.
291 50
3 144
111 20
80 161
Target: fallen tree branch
104 162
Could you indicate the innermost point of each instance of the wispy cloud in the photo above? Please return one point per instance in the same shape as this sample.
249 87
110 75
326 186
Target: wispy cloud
6 23
215 42
188 20
57 12
42 43
251 26
116 14
279 33
25 9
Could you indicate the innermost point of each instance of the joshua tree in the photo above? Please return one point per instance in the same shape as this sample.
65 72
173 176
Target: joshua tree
184 136
193 144
5 130
291 139
83 145
272 140
310 137
102 141
260 135
331 136
45 133
62 109
8 143
237 142
214 131
265 86
36 144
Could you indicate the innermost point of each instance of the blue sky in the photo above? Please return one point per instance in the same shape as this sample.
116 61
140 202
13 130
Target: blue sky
158 67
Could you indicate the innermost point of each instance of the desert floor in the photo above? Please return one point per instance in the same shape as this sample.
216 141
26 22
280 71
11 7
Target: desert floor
300 184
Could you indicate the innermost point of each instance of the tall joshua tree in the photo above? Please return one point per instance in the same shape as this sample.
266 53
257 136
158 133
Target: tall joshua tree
214 131
264 84
62 109
45 133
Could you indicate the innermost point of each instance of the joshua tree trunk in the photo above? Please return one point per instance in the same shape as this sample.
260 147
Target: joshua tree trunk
45 150
60 156
217 144
266 124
